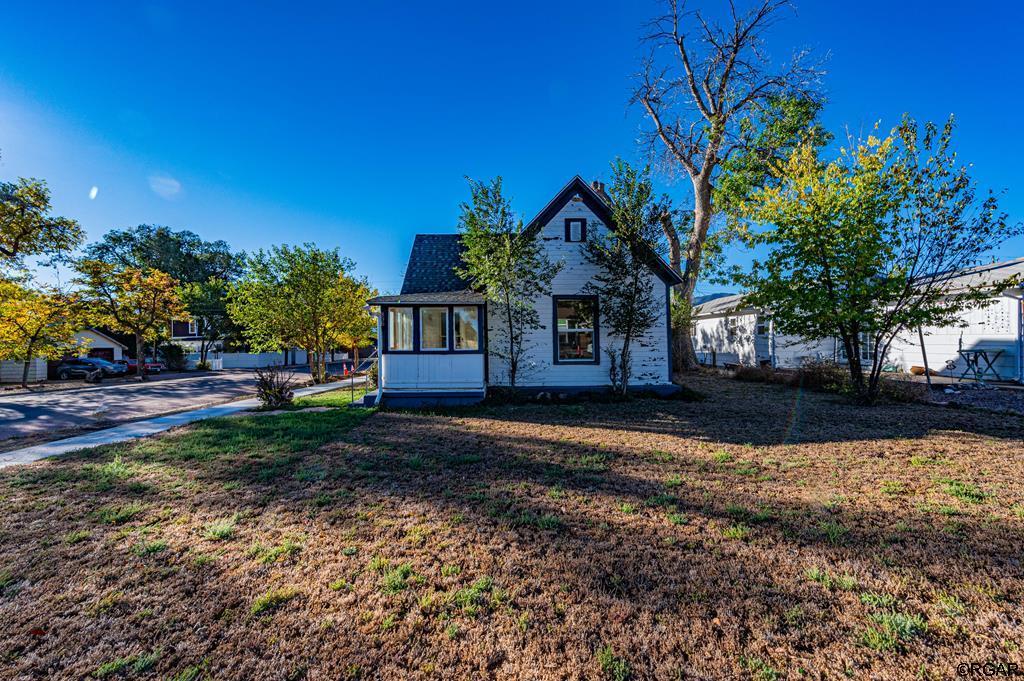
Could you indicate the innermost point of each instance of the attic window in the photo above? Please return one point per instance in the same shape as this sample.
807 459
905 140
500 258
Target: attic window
575 229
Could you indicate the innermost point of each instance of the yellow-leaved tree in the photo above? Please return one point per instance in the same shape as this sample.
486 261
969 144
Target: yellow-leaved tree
131 300
38 323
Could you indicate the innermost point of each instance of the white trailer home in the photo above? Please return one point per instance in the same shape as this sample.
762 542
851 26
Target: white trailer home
726 331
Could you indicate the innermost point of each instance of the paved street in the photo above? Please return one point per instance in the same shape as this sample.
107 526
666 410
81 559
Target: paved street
35 414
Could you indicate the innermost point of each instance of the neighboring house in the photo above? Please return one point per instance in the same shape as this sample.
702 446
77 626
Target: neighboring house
101 345
726 331
434 335
186 333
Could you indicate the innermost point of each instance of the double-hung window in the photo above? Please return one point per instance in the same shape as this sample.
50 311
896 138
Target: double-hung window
400 329
467 328
433 328
575 229
576 329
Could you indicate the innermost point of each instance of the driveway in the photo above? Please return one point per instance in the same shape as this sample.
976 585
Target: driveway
27 415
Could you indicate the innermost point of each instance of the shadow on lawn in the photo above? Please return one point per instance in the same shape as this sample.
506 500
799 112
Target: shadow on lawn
597 523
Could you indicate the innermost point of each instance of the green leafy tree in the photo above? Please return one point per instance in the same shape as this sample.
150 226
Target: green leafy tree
26 226
182 254
704 94
302 297
862 247
511 271
130 300
622 259
206 303
38 323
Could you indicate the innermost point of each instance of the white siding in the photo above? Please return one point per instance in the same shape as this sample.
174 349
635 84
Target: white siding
730 339
11 371
91 340
423 371
650 352
994 327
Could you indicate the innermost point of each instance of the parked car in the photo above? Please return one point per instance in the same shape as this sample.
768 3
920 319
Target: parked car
85 367
132 366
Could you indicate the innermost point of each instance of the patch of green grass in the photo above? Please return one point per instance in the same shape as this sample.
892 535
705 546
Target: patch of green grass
893 488
892 629
921 460
660 500
342 397
6 579
964 491
661 456
844 582
188 674
541 521
736 531
472 598
76 537
452 631
450 570
136 664
397 579
677 518
759 669
673 481
349 551
722 456
556 492
279 552
878 600
388 623
340 585
832 531
627 508
612 666
950 604
222 529
118 515
148 548
272 600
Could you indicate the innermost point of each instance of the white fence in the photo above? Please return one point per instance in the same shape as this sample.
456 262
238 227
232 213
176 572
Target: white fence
11 371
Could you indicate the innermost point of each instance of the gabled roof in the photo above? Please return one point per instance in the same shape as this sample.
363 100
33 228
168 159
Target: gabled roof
432 264
985 275
99 333
431 277
599 207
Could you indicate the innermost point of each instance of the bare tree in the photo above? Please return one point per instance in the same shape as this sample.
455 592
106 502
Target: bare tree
699 86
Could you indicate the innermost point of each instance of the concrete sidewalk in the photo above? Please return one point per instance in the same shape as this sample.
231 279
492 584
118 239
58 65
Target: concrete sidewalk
147 427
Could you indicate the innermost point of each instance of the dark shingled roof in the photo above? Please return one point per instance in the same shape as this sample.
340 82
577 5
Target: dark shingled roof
439 297
432 265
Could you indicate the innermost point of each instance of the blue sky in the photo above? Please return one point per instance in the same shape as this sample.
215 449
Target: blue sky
353 125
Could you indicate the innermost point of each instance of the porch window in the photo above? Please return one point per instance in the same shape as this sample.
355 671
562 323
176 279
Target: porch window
576 328
467 328
193 327
400 328
433 328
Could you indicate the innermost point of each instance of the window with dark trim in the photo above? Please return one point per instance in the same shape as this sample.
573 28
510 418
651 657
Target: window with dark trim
576 329
466 327
575 229
433 328
400 329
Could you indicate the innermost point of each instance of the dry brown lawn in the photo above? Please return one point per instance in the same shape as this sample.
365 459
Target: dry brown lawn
762 533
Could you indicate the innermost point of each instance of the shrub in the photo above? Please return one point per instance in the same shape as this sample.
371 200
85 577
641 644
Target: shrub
827 376
203 366
274 386
371 375
174 356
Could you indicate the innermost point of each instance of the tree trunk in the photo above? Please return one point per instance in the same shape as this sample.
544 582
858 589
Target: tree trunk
694 253
355 358
140 356
513 358
24 372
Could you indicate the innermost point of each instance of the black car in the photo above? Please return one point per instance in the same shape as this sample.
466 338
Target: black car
88 366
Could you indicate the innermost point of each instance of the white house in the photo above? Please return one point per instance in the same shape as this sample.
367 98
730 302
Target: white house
98 344
726 331
434 335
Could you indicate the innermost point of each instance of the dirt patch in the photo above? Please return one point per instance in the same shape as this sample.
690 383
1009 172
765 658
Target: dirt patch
763 533
1007 400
